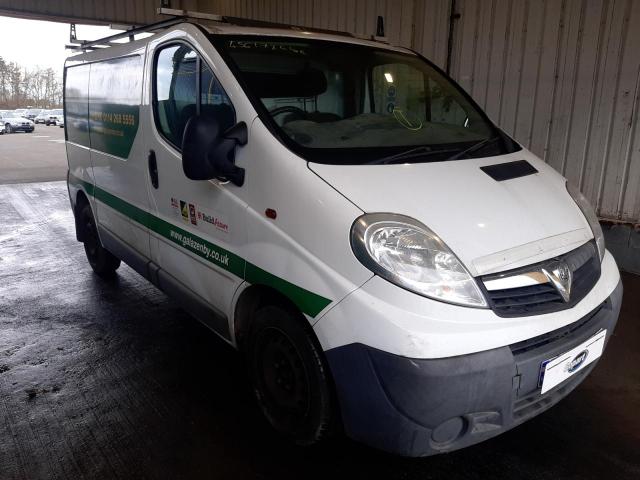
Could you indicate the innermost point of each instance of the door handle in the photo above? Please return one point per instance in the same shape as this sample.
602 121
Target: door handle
153 169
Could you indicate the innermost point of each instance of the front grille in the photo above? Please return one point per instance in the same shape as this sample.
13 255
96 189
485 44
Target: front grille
540 341
584 263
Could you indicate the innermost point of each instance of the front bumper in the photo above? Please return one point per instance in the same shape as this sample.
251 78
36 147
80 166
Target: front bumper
419 407
22 128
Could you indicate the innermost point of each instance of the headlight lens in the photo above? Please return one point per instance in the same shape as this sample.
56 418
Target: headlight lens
408 254
590 214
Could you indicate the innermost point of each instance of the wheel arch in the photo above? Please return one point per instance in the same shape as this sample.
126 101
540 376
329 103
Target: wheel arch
250 301
256 296
81 201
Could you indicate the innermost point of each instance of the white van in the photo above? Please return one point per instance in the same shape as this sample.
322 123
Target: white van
391 264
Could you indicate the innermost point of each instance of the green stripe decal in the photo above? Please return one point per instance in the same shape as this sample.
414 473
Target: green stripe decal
308 302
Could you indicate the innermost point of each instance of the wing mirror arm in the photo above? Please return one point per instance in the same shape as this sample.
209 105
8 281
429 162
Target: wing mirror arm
239 132
222 155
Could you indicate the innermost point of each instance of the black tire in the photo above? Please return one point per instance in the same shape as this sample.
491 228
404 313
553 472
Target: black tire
101 260
289 376
7 128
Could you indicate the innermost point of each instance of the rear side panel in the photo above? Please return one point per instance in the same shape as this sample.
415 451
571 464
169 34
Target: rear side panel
118 153
76 103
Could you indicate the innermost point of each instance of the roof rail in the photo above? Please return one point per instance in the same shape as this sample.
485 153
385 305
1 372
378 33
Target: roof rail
245 22
179 16
190 14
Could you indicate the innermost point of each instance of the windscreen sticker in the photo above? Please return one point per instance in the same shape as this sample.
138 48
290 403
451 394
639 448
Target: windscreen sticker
289 47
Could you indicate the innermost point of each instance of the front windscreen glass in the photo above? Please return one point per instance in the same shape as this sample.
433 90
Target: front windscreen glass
342 103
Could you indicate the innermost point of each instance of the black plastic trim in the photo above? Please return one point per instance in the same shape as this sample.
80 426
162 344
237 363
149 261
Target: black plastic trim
419 407
509 170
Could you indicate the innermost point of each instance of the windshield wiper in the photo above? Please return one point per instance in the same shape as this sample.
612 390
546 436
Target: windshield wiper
421 151
474 148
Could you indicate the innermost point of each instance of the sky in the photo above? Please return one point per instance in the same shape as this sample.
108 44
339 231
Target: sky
41 44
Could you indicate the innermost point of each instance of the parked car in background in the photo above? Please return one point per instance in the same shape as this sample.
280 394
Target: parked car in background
13 123
61 122
42 117
32 113
55 117
19 112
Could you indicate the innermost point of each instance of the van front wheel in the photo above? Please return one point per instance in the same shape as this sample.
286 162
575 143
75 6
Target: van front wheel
101 260
290 379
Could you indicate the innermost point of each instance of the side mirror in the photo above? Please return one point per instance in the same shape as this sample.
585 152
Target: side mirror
208 153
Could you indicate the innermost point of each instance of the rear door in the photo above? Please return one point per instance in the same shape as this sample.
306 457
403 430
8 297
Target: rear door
201 224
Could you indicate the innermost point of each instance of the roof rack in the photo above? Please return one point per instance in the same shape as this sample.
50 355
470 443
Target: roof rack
180 16
244 22
130 33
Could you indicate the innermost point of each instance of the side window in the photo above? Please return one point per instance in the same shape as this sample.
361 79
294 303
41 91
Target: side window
214 100
179 73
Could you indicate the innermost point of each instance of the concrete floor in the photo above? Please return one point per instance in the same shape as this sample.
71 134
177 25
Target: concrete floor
112 380
33 157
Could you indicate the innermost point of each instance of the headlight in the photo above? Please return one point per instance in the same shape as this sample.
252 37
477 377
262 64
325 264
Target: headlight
408 254
590 214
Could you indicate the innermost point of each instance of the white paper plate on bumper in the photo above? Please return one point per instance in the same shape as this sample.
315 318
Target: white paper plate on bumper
558 369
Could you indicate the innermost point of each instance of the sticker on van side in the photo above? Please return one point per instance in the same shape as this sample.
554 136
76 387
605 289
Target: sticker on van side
103 104
308 302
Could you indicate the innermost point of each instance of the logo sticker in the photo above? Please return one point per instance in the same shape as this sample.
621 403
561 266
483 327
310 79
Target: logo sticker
184 209
192 214
577 361
215 219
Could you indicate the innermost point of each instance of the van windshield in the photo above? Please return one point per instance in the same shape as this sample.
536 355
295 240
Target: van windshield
342 103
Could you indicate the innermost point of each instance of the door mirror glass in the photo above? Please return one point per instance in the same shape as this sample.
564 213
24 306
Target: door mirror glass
208 152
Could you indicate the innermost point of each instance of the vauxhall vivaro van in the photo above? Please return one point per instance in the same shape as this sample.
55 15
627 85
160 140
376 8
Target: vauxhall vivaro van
391 264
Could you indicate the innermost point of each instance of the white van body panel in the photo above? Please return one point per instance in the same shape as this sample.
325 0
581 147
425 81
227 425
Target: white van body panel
394 320
224 201
308 243
124 178
490 225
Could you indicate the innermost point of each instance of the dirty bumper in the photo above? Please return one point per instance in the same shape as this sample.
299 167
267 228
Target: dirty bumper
417 407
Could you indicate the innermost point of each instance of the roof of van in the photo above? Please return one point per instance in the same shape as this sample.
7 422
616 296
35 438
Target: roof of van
220 28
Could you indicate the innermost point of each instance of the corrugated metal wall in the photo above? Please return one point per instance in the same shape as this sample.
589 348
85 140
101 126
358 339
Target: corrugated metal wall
562 76
355 16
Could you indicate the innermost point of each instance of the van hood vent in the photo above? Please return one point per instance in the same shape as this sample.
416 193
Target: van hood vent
509 170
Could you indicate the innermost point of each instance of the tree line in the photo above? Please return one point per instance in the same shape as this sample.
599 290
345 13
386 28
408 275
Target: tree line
21 87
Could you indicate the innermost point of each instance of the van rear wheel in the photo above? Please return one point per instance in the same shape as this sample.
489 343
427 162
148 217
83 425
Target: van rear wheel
103 262
289 376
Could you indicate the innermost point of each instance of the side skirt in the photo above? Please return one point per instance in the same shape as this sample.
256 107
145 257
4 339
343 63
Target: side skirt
198 307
